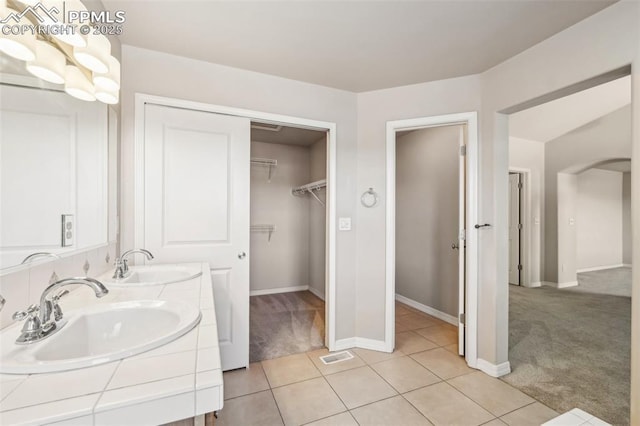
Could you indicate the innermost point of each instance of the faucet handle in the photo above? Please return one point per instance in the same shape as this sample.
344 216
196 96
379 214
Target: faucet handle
57 311
31 311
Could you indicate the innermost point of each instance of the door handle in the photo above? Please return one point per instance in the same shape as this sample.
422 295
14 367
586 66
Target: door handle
242 255
454 246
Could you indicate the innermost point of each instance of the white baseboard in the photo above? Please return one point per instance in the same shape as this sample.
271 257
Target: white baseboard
567 284
343 344
494 370
600 268
361 342
561 285
533 285
316 292
428 310
278 290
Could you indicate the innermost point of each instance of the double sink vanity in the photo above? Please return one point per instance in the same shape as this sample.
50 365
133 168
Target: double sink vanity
138 346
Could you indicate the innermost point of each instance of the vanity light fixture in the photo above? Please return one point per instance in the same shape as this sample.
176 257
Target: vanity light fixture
109 81
20 46
78 85
83 63
107 96
72 38
48 64
95 55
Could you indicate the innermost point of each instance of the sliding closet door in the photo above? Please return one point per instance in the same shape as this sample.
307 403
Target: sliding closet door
197 208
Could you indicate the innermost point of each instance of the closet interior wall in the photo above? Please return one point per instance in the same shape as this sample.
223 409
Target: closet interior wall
293 258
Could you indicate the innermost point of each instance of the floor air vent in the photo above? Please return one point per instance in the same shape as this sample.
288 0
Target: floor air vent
337 357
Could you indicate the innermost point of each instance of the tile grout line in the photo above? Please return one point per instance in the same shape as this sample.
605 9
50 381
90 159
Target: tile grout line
496 416
277 406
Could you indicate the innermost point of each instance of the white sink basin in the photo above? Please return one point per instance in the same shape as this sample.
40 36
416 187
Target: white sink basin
153 275
99 334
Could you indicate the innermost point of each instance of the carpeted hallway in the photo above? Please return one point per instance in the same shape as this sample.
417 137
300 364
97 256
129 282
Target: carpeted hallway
571 347
285 324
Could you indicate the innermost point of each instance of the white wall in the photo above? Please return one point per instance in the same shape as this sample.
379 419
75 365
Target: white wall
606 138
627 250
599 44
599 219
317 219
283 261
146 71
427 217
603 42
527 155
567 190
374 110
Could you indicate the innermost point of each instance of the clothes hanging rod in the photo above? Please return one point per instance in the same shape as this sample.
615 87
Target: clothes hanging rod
313 186
310 188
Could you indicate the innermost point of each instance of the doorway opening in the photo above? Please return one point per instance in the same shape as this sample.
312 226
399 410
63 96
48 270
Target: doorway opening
431 255
288 240
227 199
576 250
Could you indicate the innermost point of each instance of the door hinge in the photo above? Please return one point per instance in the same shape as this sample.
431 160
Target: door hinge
519 226
463 150
519 185
462 318
519 267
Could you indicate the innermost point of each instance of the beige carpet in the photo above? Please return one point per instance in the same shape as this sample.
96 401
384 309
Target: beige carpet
571 349
285 324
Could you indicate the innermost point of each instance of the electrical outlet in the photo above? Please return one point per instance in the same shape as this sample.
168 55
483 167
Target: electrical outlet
68 230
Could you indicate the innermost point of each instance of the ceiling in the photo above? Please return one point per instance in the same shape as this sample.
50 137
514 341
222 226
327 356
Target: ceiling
286 135
551 120
351 45
617 166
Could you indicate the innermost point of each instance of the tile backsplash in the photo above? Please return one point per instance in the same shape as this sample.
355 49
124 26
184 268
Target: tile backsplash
24 287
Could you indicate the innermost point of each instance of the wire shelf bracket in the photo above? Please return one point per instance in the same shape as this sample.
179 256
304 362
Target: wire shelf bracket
265 162
270 229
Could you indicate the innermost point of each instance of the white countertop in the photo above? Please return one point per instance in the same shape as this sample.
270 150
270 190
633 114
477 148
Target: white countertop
179 380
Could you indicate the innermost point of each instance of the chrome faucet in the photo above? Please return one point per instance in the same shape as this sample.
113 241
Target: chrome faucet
38 324
122 268
39 254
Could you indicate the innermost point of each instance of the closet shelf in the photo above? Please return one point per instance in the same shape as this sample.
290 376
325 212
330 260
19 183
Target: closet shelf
263 228
310 188
265 162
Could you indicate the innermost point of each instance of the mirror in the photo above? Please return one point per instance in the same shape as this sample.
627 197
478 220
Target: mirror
57 192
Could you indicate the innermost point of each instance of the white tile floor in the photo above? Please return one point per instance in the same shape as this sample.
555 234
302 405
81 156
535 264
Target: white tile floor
423 382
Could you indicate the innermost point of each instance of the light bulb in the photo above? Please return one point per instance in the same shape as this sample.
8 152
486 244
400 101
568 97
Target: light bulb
78 85
48 64
95 55
110 80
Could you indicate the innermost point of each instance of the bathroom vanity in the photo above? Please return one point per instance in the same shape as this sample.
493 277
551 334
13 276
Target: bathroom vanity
177 380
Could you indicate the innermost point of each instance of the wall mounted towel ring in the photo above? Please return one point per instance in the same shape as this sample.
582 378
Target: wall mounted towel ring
369 198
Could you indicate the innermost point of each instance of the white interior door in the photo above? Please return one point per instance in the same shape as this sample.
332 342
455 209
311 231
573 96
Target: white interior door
196 195
462 186
514 228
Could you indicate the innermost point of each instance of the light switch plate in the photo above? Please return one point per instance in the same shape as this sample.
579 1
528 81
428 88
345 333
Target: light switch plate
344 224
68 230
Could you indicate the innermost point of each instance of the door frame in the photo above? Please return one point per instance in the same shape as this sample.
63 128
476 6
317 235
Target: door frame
471 234
526 218
141 99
